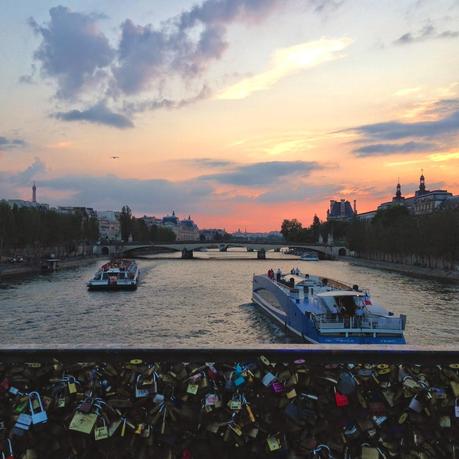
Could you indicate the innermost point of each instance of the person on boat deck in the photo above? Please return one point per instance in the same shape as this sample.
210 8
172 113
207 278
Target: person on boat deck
278 274
297 271
359 313
292 271
270 273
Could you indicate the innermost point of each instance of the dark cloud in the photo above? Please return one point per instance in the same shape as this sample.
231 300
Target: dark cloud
148 55
9 144
426 33
382 149
444 107
395 130
324 6
212 163
98 114
72 50
172 56
169 104
26 79
111 192
264 174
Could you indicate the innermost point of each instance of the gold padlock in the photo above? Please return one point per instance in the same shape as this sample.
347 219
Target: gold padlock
368 452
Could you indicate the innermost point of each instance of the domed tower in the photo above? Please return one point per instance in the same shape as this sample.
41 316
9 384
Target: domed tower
398 198
422 183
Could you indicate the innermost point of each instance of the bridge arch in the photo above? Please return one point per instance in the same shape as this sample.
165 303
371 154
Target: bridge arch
105 251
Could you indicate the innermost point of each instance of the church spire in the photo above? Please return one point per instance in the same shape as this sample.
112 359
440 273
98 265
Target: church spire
34 193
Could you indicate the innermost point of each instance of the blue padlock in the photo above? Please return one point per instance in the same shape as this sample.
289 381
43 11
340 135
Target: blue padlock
38 415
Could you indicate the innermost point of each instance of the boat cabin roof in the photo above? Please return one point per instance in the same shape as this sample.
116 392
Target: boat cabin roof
340 293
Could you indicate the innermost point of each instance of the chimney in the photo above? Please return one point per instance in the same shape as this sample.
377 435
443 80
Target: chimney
355 206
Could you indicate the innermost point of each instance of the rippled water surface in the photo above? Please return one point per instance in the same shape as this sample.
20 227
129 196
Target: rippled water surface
204 301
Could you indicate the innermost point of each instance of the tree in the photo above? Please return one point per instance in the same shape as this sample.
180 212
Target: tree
291 230
315 228
125 222
161 234
140 231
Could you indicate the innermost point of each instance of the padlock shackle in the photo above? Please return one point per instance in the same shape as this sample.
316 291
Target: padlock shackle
37 396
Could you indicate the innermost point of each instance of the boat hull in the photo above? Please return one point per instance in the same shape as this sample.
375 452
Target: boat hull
287 315
111 287
116 275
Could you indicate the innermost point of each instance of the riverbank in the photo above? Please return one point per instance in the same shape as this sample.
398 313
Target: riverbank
418 271
18 270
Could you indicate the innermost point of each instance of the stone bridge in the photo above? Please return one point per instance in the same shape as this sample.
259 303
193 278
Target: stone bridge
187 248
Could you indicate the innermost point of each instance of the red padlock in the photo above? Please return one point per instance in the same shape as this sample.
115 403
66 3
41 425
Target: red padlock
186 454
341 399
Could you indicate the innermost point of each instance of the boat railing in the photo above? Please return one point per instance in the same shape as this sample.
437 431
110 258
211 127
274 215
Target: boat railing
369 322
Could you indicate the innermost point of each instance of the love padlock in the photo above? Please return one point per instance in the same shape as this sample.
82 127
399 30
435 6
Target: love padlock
456 408
37 411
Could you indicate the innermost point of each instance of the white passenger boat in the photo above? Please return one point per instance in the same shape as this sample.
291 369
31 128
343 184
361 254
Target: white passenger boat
309 256
116 275
320 310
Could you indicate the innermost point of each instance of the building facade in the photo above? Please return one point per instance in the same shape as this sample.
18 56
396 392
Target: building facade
423 202
188 230
109 225
184 230
212 234
341 210
87 212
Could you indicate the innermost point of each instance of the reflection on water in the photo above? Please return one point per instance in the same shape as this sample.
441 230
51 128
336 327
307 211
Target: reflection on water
204 301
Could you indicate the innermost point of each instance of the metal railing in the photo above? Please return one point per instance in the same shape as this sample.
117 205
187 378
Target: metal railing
312 353
371 323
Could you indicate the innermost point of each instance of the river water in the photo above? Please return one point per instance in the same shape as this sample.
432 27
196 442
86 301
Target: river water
205 301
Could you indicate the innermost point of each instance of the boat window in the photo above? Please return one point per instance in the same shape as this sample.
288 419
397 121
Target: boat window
330 303
105 276
270 298
346 304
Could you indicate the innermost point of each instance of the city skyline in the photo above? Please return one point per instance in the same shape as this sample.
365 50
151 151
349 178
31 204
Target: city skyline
239 112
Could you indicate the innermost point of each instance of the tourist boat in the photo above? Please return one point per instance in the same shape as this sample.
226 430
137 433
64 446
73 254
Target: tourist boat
309 256
320 310
116 275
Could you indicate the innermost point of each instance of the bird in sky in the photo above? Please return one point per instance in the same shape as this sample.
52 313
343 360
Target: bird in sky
114 157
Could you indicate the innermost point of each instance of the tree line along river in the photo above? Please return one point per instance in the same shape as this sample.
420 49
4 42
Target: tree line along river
205 301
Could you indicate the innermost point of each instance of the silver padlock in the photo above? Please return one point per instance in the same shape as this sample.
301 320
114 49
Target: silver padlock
415 405
38 414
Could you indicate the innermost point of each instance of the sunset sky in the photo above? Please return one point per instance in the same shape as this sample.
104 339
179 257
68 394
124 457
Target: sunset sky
238 112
